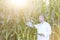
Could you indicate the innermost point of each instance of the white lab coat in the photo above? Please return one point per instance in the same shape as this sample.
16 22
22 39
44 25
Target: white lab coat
43 28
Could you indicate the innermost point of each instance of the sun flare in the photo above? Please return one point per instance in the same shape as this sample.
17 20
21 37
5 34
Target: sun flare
17 3
20 3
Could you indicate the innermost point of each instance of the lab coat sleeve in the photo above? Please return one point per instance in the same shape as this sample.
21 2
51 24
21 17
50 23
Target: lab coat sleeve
36 26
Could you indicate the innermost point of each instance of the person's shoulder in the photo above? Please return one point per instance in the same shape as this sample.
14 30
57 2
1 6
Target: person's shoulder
46 23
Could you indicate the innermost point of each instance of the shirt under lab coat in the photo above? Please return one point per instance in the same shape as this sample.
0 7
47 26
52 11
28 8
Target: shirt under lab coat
43 28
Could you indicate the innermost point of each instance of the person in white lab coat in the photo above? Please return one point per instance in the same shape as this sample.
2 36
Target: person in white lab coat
43 28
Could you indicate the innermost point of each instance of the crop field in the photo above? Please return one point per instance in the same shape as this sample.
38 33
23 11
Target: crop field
15 13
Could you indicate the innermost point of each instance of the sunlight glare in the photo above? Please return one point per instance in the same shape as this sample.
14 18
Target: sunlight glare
19 3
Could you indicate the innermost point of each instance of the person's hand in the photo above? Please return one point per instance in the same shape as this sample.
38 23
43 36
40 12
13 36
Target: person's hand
41 34
29 24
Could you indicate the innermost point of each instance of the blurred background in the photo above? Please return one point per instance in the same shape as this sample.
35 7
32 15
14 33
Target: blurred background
15 13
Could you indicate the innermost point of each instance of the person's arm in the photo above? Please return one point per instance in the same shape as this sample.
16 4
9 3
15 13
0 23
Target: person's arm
41 34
